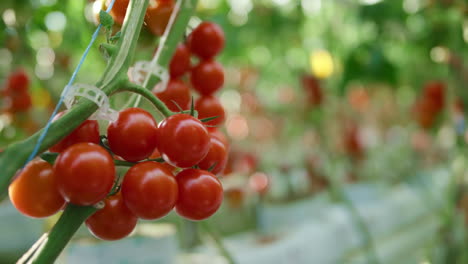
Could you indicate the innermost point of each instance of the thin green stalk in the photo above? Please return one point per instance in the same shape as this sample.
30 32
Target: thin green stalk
217 240
135 88
131 164
361 225
62 232
123 163
169 43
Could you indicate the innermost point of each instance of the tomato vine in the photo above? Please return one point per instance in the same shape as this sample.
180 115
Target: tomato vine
114 79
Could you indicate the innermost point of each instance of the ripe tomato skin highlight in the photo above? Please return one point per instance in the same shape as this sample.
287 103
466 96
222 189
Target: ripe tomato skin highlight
157 17
34 192
200 194
176 91
207 40
114 221
18 81
85 173
216 155
88 131
149 190
210 106
133 135
180 62
207 77
186 140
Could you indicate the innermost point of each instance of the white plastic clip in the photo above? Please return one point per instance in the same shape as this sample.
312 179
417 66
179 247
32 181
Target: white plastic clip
94 94
138 73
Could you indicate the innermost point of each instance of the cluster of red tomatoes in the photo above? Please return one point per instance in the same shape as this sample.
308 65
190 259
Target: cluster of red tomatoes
206 77
428 107
84 173
173 163
156 17
15 94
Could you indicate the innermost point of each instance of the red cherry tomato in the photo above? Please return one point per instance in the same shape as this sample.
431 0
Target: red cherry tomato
114 221
425 113
133 135
200 194
313 90
149 190
217 156
352 142
180 62
435 93
18 102
259 182
85 173
18 81
118 10
176 91
34 192
157 17
210 106
207 77
220 135
88 131
186 140
207 40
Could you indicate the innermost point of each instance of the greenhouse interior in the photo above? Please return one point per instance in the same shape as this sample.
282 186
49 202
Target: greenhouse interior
309 132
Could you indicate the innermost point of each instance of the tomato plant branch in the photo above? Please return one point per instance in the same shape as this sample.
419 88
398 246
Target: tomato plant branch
208 229
114 77
135 88
62 232
16 155
115 72
359 222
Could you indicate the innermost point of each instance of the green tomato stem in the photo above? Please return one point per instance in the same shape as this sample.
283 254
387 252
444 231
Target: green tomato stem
62 232
135 88
123 163
369 245
209 230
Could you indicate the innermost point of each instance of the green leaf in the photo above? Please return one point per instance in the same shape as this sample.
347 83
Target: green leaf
106 20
